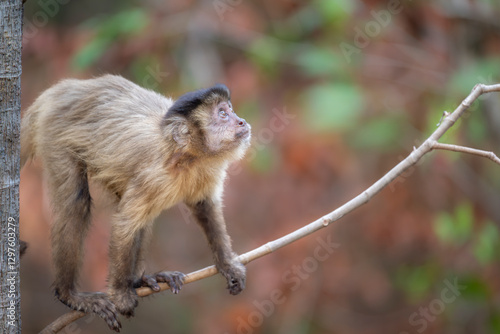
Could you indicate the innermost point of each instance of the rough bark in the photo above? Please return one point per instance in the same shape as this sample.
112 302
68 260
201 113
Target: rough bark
11 14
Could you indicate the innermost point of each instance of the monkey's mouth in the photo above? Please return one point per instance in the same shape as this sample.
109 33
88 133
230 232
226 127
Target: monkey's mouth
243 133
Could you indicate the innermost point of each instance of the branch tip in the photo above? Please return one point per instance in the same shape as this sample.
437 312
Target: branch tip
462 149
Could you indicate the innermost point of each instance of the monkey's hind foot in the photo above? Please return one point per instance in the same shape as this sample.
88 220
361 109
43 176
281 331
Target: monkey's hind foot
93 302
125 300
174 279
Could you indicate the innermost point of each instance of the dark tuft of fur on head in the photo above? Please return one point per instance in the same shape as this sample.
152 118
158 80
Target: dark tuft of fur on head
188 102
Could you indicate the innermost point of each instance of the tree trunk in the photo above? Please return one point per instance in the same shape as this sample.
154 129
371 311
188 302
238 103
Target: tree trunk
11 15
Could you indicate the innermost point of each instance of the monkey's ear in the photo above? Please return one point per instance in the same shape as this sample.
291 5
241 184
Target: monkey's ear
180 132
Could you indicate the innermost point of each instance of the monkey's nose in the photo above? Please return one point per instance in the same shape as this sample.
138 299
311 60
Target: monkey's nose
242 122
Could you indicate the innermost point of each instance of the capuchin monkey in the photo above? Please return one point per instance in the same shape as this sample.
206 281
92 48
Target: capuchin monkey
148 152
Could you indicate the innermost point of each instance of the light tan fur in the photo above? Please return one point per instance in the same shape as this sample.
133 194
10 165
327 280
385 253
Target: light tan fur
120 136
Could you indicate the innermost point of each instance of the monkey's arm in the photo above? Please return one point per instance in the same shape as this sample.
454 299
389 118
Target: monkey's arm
208 213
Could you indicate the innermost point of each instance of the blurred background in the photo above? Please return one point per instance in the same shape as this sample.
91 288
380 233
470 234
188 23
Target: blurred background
337 92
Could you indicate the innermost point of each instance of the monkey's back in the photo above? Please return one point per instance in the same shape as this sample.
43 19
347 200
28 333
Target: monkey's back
105 123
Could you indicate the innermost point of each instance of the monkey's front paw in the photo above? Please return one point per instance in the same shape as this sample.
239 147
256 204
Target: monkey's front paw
125 301
174 279
235 275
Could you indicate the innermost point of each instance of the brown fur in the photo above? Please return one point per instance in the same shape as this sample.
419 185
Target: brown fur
149 152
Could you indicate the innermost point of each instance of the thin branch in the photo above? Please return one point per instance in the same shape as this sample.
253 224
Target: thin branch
427 146
63 321
455 148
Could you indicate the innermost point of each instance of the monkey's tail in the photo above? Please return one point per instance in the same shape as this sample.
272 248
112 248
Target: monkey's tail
28 129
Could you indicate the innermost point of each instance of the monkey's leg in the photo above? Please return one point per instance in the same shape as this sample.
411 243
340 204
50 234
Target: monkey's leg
130 233
72 203
174 279
208 214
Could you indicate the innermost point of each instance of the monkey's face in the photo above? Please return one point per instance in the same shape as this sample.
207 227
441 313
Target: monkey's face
227 131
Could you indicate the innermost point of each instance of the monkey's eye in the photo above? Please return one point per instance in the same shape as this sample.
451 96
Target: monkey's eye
222 113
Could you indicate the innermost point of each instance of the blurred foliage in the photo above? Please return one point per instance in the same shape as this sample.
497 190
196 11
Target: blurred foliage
263 160
476 128
320 62
335 12
476 289
481 71
416 281
455 228
265 52
142 67
458 229
495 323
487 244
109 30
332 106
380 134
354 120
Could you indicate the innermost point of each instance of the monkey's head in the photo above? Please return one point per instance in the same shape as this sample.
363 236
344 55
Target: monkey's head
204 122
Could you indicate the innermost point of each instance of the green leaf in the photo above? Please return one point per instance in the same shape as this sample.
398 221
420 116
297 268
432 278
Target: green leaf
107 31
495 323
379 134
89 53
456 228
484 71
332 106
486 246
320 62
336 11
126 22
416 282
475 289
476 128
143 69
464 222
444 228
266 52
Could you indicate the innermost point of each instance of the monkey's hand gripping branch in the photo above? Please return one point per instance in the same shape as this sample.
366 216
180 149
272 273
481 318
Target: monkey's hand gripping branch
427 146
